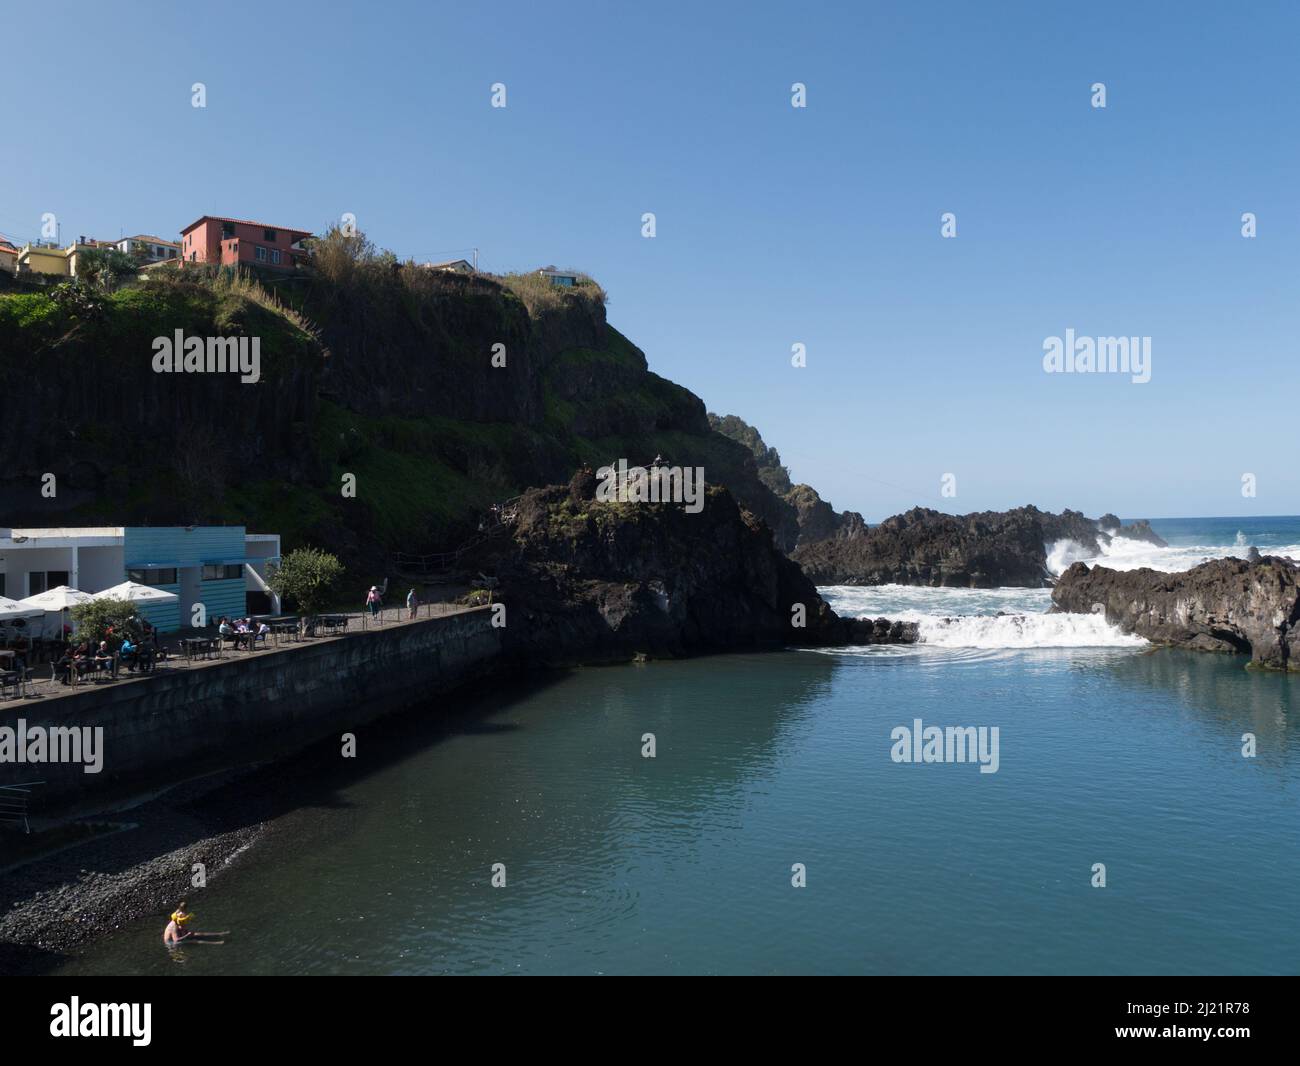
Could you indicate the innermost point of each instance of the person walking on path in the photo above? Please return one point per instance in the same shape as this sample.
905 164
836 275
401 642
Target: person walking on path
412 603
372 601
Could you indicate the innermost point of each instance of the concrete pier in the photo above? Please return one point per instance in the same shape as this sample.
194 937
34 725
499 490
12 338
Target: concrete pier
248 707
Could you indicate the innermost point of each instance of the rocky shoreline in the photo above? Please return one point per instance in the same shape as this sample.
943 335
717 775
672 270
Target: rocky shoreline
987 549
1240 606
139 864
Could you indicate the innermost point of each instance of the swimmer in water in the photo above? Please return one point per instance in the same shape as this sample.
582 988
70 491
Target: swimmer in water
175 931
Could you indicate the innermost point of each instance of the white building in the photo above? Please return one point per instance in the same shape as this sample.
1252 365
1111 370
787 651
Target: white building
150 249
217 566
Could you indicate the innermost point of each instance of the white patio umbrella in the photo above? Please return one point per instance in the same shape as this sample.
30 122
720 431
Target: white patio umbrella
13 609
137 593
59 598
56 601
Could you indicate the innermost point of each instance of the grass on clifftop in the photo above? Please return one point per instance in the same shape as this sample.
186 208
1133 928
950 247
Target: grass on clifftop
540 296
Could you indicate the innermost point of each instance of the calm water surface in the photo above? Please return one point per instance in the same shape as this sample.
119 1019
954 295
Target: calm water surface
682 863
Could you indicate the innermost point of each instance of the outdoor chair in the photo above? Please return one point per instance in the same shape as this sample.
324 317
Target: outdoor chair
10 679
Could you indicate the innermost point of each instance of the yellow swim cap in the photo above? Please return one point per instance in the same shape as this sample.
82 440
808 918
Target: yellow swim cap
180 917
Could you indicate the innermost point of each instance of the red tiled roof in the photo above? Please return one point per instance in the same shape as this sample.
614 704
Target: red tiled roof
150 237
243 222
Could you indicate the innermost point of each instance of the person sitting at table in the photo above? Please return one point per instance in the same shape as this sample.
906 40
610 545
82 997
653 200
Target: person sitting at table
129 653
263 632
224 629
82 661
63 667
146 653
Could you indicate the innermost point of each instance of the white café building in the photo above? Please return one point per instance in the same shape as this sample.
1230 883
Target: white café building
223 567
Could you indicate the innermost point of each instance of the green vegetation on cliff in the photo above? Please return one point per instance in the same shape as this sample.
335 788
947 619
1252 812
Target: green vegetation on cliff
370 368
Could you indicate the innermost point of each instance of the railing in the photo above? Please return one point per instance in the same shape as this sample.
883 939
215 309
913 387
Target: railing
13 803
501 515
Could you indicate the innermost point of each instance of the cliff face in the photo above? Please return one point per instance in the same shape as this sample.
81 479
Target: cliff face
384 373
1228 605
590 582
926 547
797 514
83 401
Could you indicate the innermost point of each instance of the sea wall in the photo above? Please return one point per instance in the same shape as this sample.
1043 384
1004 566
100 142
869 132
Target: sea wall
246 708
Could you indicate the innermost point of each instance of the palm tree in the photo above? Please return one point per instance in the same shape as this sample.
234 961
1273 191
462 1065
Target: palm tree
103 268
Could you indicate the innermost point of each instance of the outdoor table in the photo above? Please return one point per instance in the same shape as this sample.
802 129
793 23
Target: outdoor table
7 656
193 647
284 629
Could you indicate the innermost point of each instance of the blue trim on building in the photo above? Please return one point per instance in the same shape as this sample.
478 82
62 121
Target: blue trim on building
164 617
188 551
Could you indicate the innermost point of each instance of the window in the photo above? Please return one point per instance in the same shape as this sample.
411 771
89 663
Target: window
165 576
227 229
231 572
259 253
39 581
275 255
269 236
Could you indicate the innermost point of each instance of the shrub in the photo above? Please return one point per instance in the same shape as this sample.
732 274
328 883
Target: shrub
109 619
540 296
308 576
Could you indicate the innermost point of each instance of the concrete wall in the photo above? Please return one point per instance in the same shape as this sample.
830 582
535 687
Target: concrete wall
96 567
21 562
248 707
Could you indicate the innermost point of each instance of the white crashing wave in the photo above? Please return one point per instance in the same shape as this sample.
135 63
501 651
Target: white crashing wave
1025 631
1064 554
978 618
1125 553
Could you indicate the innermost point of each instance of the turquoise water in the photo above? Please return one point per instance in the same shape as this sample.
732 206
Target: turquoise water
682 863
1109 752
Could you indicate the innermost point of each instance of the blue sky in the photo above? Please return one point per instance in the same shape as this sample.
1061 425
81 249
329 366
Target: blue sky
775 225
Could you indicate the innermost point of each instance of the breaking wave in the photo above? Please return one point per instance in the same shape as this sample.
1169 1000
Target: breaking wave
1026 631
1123 553
986 619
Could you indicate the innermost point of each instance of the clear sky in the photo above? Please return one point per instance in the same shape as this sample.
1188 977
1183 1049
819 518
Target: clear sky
775 225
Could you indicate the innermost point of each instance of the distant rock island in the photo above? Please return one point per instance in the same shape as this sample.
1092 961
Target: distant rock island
987 549
1246 606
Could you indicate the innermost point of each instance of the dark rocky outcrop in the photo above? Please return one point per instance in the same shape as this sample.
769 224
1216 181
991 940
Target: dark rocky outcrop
589 582
925 547
982 550
1227 605
803 516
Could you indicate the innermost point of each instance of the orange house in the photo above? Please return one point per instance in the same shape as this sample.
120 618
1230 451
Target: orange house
237 242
